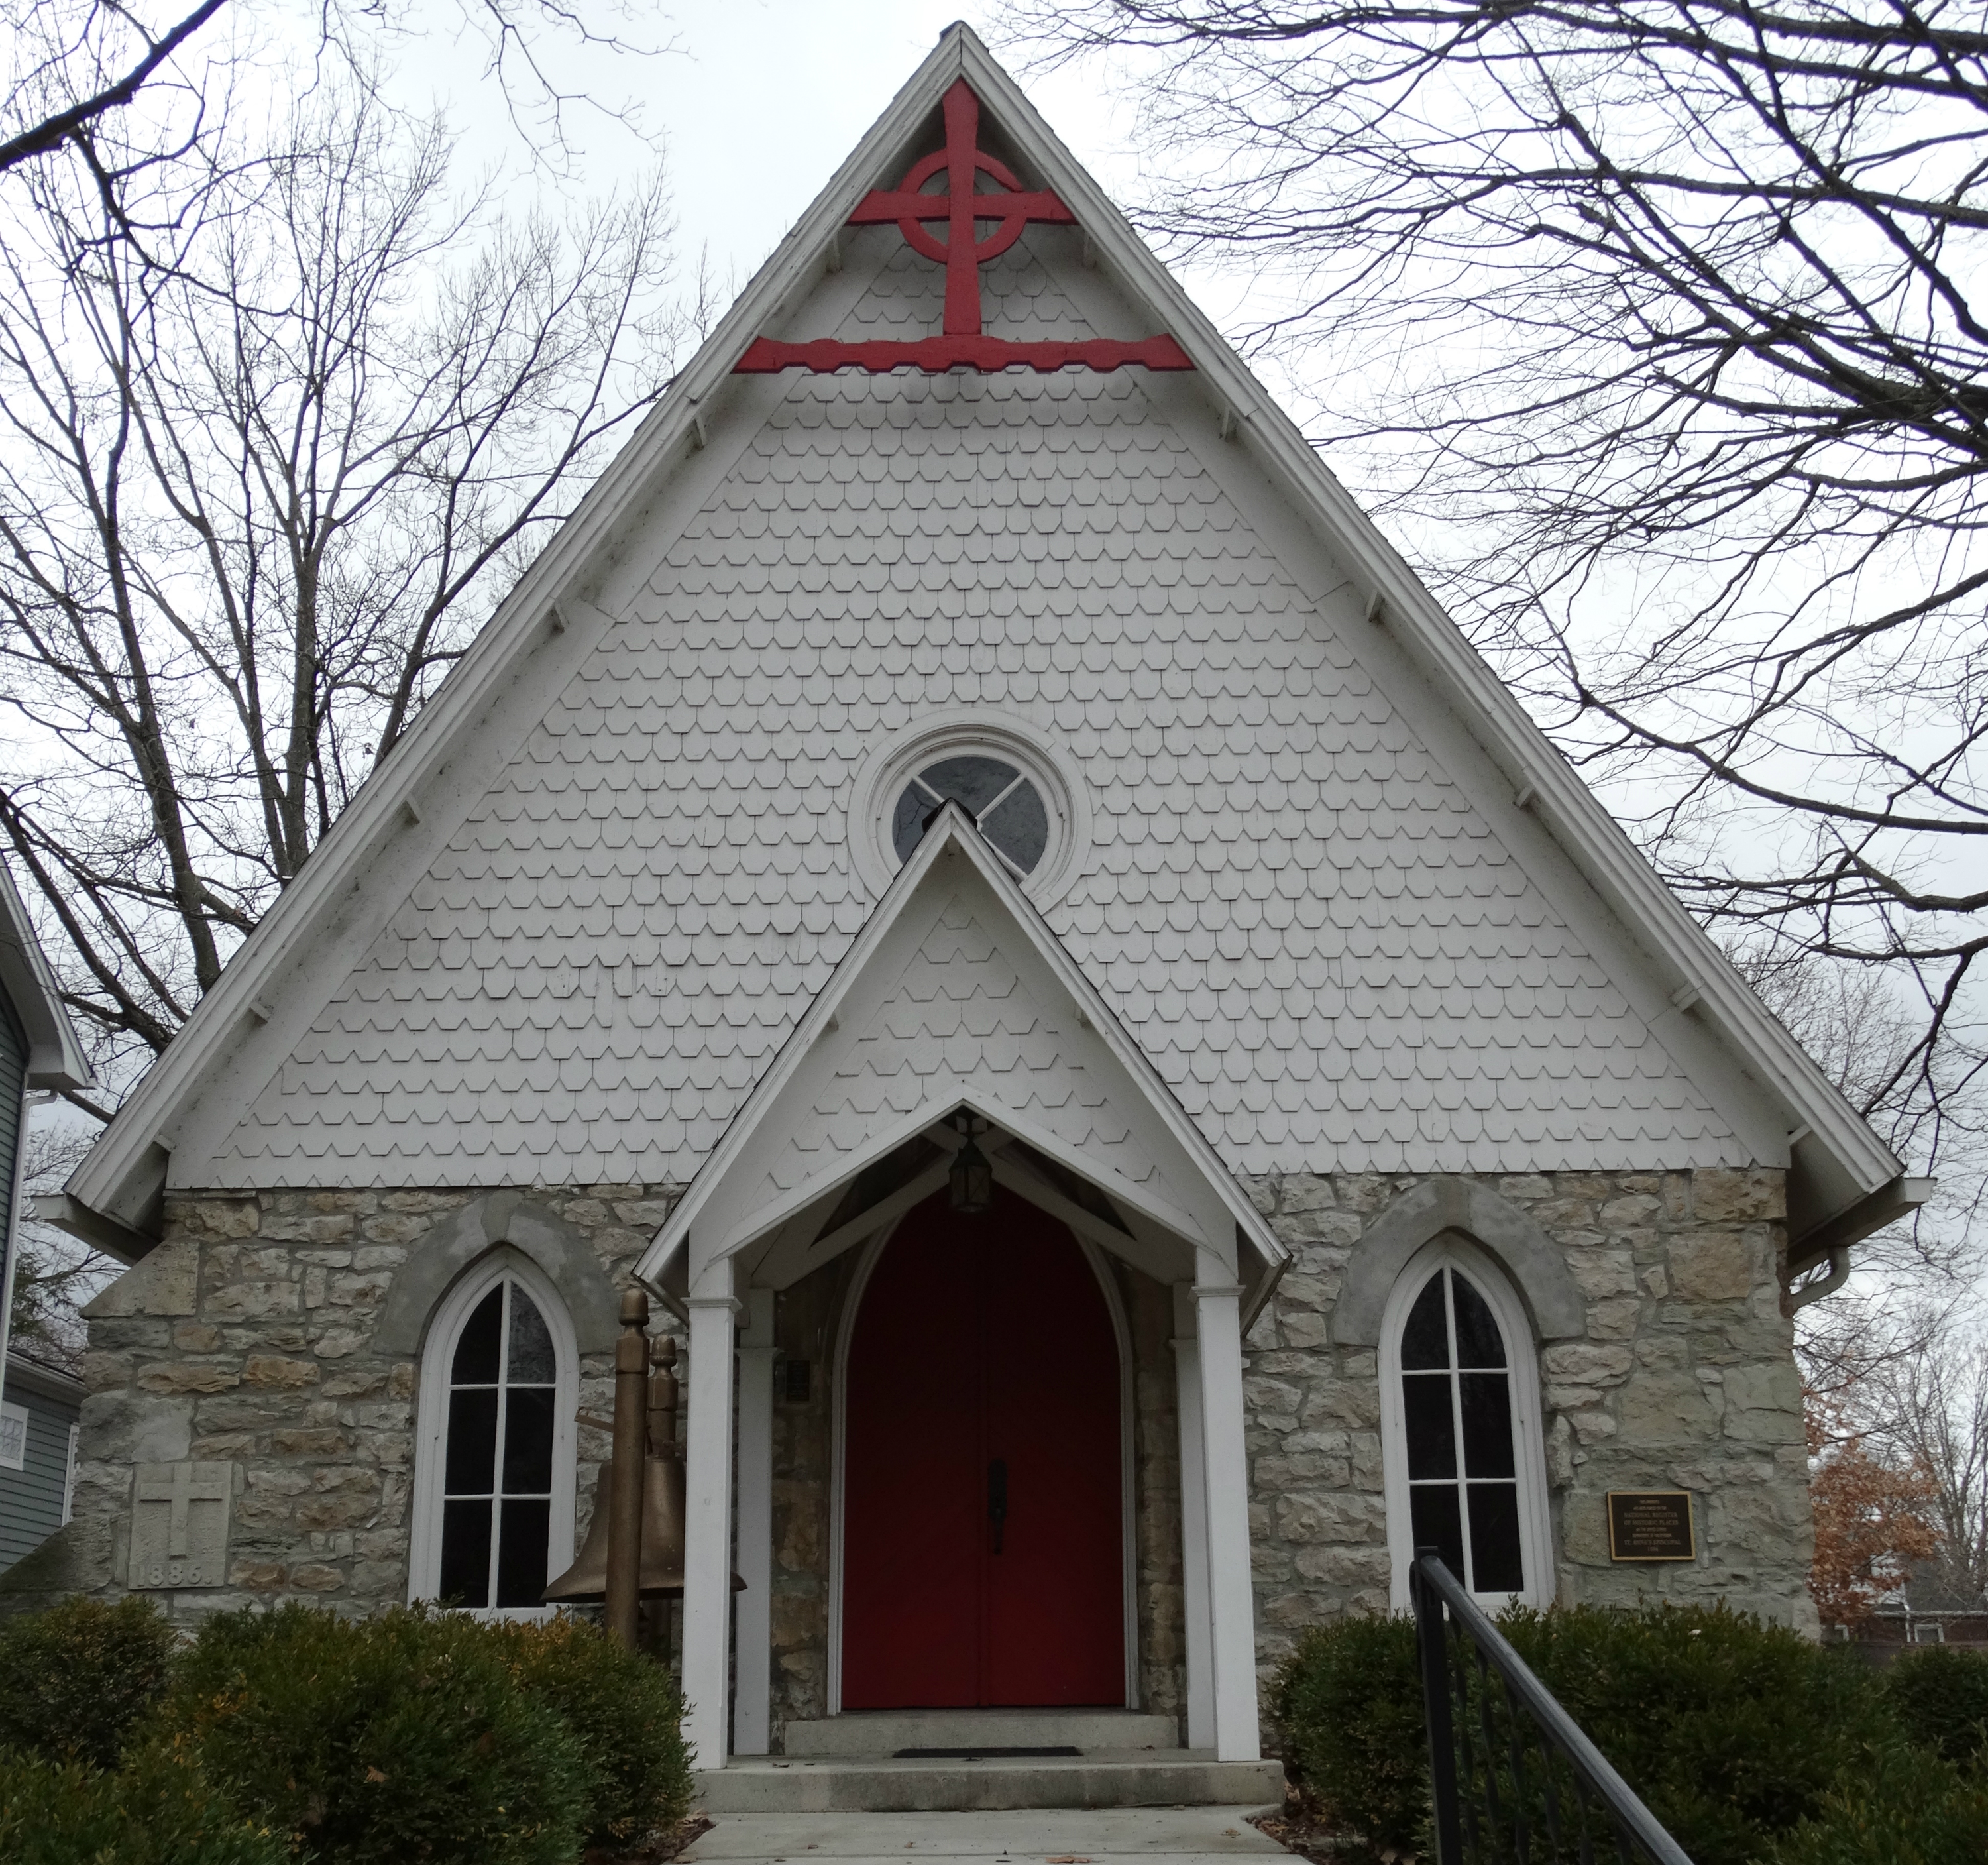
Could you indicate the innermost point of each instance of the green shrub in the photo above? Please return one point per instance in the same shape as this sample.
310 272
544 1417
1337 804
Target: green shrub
404 1737
156 1810
626 1713
1729 1731
1348 1705
1940 1696
1896 1805
74 1679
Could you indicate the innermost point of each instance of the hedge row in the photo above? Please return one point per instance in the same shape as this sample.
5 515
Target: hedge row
1752 1745
298 1734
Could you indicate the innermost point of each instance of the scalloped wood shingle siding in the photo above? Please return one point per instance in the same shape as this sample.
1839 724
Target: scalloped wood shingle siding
1300 915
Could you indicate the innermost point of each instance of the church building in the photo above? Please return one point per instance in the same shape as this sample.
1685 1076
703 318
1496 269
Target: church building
1145 1087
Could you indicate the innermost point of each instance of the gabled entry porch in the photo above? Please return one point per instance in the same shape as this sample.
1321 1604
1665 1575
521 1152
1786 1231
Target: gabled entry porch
982 1537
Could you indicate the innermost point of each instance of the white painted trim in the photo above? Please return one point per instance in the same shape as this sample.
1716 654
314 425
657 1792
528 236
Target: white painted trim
1195 1607
753 1639
55 1058
845 1331
838 1427
1121 1330
953 731
706 1665
1231 1581
1528 1423
432 1422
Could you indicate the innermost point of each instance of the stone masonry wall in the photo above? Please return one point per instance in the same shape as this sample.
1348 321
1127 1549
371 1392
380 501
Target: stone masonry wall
246 1337
1686 1380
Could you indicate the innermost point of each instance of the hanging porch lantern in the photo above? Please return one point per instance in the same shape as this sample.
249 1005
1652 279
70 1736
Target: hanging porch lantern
970 1178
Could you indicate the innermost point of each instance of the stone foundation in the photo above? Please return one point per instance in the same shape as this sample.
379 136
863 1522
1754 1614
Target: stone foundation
247 1338
1686 1379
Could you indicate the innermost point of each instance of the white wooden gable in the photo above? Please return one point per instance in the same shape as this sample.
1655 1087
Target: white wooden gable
957 997
1332 883
1300 913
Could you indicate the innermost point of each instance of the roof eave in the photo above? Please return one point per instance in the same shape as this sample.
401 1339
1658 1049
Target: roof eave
122 1178
1856 1162
951 830
55 1059
123 1174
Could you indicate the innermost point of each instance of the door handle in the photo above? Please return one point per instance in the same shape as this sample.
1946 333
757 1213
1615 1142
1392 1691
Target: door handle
997 1498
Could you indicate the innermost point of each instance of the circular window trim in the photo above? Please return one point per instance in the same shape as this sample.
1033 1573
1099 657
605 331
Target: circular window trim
886 770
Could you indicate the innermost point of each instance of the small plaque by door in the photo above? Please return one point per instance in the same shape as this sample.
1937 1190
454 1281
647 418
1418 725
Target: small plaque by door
1651 1525
179 1525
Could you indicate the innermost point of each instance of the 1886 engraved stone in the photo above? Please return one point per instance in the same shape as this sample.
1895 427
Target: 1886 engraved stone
179 1525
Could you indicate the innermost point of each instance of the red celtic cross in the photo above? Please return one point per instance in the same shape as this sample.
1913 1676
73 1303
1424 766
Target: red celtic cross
962 252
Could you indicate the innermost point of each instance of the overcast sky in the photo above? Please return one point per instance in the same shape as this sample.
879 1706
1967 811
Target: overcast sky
755 103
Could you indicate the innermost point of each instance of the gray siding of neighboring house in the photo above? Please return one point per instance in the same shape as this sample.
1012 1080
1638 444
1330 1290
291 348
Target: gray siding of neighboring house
13 1099
31 1498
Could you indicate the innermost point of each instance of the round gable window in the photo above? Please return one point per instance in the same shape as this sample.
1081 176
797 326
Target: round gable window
1005 806
1007 779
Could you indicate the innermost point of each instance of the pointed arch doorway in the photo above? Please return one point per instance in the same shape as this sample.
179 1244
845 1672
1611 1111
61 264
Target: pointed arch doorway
983 1522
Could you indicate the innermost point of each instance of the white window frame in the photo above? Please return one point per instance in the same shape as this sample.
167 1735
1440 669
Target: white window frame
431 1424
1528 1427
13 1414
970 731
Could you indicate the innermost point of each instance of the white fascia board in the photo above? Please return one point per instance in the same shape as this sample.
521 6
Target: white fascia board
951 836
55 1058
943 1094
123 1173
1598 844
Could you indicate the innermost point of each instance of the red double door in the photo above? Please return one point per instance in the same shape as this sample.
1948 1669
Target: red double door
982 1535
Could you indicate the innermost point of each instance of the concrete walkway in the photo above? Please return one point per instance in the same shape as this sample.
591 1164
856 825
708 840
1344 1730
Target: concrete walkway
1161 1835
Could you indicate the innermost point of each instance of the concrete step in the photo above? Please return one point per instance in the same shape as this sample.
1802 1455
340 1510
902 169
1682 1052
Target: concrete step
1106 1836
883 1732
1104 1778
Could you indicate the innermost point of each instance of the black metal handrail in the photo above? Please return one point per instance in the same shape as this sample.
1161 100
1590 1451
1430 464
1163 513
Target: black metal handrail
1498 1755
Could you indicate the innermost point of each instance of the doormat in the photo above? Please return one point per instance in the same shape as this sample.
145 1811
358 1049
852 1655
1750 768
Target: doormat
977 1755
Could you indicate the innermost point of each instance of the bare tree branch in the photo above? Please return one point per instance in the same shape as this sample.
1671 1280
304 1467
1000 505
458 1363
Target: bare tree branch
52 131
260 479
1655 326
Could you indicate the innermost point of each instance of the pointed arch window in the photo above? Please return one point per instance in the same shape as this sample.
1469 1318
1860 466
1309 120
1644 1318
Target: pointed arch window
494 1475
1464 1455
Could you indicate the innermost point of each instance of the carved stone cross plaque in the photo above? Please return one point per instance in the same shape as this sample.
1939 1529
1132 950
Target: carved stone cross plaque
179 1525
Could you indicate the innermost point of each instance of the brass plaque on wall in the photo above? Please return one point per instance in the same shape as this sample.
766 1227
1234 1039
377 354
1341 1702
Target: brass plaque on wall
1651 1525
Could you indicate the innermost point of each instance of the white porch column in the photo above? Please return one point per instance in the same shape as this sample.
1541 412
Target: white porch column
751 1704
708 1529
1194 1522
1232 1603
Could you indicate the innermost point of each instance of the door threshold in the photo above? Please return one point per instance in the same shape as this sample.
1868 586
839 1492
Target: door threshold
980 1755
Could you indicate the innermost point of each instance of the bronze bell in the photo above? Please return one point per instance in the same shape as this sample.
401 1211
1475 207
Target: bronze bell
662 1575
662 1540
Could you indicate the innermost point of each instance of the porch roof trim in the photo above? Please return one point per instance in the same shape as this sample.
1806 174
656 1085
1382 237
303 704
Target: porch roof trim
668 1263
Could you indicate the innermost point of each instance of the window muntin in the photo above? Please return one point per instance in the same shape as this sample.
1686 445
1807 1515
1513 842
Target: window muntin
494 1467
1456 1392
1003 801
1464 1452
13 1436
497 1462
